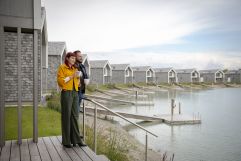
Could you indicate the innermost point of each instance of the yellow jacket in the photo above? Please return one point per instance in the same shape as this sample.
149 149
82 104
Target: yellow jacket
63 72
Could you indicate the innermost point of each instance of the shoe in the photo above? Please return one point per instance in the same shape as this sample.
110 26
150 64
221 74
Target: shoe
68 146
81 144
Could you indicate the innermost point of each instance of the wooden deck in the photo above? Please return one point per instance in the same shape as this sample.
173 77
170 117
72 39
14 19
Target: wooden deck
47 149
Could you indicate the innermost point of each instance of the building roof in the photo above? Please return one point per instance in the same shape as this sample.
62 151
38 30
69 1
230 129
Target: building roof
141 68
56 48
210 71
84 58
120 66
98 63
163 70
186 70
232 72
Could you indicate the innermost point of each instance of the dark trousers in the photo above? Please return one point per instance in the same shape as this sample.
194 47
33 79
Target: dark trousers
81 96
69 117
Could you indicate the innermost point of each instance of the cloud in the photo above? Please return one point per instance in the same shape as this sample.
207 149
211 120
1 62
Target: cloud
109 25
173 59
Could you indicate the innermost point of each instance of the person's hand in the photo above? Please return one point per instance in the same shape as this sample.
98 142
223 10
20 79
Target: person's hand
73 75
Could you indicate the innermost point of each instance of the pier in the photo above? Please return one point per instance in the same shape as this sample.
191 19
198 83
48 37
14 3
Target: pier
176 119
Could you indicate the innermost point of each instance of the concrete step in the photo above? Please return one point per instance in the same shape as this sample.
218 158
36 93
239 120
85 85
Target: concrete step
102 158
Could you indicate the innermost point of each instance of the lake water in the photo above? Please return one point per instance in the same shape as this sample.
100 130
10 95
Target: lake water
217 138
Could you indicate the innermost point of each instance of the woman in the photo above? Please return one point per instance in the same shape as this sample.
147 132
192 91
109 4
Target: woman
68 80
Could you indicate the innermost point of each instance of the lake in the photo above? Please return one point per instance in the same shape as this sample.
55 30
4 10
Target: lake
217 138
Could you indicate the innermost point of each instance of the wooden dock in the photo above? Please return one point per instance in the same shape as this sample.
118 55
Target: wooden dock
137 103
47 149
181 119
165 118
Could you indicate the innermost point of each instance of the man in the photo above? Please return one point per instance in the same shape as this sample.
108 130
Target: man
84 76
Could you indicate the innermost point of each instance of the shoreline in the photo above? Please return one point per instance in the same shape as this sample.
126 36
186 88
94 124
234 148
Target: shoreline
135 149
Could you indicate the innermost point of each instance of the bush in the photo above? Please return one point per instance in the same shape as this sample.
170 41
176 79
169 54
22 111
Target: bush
108 145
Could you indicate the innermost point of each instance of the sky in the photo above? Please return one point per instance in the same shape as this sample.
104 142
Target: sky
198 34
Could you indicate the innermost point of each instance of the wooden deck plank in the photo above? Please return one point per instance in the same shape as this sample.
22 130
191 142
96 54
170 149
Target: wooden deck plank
33 150
78 150
70 151
24 151
81 153
43 150
6 151
90 153
15 152
51 149
64 156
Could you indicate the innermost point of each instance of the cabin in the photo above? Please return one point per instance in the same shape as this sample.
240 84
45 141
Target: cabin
122 73
56 55
101 72
165 75
24 58
86 63
143 74
232 76
188 76
212 76
23 36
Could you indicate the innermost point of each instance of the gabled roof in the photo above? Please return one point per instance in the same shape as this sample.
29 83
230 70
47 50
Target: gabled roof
84 58
210 71
120 66
186 70
232 72
99 63
56 48
142 68
163 70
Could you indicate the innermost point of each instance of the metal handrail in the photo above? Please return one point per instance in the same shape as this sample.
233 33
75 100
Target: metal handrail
95 122
106 108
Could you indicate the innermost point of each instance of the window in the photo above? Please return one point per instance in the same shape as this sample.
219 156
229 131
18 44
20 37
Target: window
127 73
219 74
149 73
105 72
194 74
171 74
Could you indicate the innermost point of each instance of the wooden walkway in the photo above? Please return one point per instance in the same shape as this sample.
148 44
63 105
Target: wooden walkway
47 149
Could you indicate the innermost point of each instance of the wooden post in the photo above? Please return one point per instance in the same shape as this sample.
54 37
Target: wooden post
35 86
136 94
179 108
19 88
172 108
2 78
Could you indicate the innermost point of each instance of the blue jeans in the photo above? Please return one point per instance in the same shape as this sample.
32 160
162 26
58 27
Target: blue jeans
81 96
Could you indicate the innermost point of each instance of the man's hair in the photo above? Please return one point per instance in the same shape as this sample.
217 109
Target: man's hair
77 51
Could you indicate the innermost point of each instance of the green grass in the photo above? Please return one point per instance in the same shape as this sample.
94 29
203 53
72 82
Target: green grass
48 122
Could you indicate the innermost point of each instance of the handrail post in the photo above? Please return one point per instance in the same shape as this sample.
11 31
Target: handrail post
2 82
83 120
19 108
146 147
95 130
